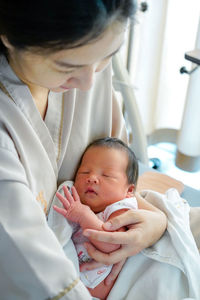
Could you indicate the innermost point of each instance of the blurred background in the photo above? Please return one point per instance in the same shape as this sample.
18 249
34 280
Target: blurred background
166 85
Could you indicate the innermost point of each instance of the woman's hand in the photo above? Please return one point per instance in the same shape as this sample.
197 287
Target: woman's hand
145 227
113 274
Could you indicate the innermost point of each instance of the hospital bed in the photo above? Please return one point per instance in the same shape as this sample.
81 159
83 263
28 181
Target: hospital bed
138 143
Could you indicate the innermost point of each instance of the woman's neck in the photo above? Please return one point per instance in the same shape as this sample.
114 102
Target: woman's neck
40 96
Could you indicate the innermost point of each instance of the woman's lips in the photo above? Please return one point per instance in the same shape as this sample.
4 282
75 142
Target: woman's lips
64 87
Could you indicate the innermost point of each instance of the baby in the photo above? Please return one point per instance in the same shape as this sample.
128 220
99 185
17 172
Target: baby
103 188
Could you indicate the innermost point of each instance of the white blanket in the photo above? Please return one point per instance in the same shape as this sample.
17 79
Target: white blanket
170 269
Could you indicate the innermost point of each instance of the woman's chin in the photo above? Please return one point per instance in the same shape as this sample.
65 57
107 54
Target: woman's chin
59 89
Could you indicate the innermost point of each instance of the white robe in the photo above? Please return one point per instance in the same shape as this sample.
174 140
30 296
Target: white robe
34 156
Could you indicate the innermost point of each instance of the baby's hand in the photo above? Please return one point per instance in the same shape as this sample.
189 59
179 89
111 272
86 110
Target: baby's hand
72 207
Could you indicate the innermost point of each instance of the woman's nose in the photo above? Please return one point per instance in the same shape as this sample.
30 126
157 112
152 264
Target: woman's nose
92 179
83 79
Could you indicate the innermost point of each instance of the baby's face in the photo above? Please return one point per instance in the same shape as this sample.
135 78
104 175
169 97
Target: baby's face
101 178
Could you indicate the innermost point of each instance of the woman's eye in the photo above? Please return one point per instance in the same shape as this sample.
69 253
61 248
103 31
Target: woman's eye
65 72
105 175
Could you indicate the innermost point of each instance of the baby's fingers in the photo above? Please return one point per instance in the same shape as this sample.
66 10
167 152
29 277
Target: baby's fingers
63 200
60 210
75 194
68 194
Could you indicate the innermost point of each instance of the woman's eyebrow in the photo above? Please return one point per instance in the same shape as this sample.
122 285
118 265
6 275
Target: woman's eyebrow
68 65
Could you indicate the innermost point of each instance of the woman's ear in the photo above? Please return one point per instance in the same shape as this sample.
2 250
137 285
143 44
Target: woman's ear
6 42
130 191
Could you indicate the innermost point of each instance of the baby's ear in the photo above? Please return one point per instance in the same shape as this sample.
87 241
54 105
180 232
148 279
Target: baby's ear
130 191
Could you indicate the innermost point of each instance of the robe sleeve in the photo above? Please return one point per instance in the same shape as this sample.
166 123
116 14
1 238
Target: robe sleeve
32 263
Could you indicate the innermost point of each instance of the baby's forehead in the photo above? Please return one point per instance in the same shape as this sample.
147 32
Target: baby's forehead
104 149
105 154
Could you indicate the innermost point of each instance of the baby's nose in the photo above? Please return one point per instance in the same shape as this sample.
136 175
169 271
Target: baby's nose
92 179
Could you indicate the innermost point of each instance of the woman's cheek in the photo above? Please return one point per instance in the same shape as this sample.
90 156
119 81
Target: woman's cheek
103 65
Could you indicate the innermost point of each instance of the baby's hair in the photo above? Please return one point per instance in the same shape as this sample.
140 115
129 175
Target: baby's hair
115 143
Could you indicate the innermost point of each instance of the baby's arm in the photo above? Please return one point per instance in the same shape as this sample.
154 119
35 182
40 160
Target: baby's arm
75 211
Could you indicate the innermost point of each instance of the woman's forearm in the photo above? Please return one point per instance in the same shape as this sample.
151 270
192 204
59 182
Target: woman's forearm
159 218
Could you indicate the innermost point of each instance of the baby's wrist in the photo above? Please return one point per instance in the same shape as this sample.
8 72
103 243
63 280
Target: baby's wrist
84 214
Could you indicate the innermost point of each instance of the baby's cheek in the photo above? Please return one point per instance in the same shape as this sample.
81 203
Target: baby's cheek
78 187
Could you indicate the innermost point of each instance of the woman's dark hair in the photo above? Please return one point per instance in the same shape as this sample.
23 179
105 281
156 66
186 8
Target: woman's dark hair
110 142
59 24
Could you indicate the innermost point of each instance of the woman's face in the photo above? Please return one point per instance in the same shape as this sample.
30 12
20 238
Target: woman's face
67 69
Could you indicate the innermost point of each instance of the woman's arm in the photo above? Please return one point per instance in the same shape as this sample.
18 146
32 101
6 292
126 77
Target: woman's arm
32 262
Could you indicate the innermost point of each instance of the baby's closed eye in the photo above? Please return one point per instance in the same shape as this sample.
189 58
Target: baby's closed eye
83 172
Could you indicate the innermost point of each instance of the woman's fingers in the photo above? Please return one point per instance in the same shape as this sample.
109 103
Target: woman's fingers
114 272
125 219
98 255
107 237
108 258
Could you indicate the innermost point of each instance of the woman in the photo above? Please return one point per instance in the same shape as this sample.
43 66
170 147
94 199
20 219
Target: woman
56 97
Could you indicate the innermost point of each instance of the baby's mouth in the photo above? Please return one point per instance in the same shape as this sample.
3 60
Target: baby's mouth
90 191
